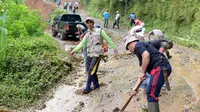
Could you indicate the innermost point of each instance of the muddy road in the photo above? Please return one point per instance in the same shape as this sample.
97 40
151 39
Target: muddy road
118 76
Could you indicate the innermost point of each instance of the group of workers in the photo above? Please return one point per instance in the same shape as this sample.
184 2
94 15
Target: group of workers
154 65
73 7
132 17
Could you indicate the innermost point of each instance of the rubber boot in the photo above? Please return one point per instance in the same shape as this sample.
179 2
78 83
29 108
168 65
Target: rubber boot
87 88
95 82
153 107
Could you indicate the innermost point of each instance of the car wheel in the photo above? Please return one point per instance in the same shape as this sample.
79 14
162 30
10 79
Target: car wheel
54 33
62 36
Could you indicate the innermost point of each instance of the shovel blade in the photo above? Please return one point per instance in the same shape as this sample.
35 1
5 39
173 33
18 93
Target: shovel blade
116 110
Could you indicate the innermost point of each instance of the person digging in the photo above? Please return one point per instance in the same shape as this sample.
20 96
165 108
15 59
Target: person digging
156 33
93 40
152 62
163 46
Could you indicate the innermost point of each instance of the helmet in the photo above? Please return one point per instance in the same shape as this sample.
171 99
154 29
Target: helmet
117 11
128 39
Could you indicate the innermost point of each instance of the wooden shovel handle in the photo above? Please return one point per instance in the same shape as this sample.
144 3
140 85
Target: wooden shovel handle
123 108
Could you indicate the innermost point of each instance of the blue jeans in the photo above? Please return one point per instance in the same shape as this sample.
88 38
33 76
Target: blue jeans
105 23
145 83
85 58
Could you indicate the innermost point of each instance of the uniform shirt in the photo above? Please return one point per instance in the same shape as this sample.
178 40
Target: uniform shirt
106 15
156 58
132 16
159 43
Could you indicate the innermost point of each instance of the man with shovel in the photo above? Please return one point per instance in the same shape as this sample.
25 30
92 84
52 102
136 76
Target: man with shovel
93 40
152 62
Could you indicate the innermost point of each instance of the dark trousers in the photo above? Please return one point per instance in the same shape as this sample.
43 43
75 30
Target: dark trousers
132 22
116 23
70 8
105 23
92 68
156 82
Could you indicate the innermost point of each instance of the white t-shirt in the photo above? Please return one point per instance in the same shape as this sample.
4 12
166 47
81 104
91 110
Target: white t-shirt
141 30
117 16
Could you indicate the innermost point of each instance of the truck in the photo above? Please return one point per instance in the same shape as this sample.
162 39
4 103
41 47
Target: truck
65 25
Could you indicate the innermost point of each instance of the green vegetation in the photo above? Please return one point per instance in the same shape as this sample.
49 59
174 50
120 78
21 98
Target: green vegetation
3 39
179 19
34 62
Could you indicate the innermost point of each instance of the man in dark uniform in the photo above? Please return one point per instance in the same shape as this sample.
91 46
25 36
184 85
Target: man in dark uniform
152 62
162 46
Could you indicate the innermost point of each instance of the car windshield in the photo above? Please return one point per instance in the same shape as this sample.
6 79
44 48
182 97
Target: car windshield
71 18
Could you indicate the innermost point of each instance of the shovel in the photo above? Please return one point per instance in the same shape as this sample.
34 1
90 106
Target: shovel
123 108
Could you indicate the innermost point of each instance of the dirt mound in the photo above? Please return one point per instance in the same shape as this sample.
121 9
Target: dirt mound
44 8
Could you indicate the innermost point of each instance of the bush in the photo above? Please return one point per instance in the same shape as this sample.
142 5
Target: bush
36 65
35 62
21 22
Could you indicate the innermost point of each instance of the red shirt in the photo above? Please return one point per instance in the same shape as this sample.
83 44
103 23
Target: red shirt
138 22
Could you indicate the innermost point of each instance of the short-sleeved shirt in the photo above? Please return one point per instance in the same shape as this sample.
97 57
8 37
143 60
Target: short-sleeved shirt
70 4
106 15
157 32
117 16
138 22
159 43
132 16
139 30
156 58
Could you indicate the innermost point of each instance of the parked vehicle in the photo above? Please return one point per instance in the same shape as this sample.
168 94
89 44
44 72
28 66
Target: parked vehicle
65 25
